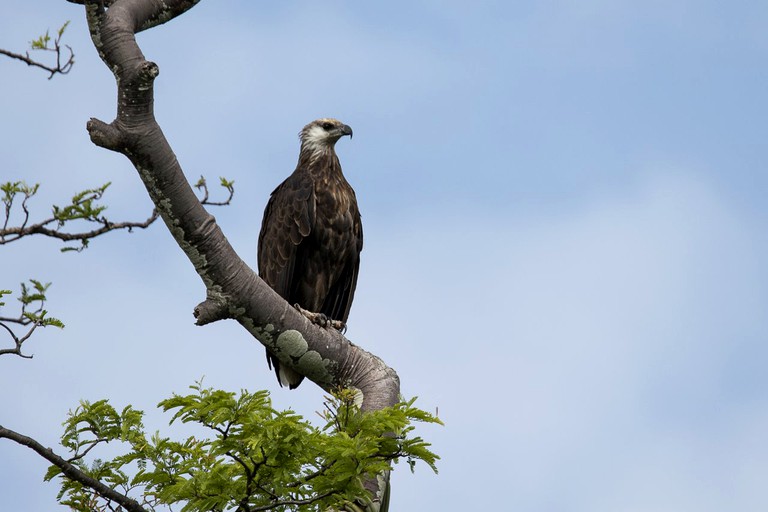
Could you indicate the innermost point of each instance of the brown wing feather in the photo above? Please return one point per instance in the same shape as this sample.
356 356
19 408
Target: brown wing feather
288 220
338 301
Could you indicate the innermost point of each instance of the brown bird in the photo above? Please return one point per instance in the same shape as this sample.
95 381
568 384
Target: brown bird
311 235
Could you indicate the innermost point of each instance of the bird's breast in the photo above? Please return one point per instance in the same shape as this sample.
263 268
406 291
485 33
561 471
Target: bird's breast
336 213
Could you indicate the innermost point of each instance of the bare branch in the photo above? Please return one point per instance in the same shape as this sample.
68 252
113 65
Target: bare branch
18 342
71 471
53 70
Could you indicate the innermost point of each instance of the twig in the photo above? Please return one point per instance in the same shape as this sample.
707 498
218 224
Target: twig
287 503
18 342
203 185
40 228
42 44
53 70
91 444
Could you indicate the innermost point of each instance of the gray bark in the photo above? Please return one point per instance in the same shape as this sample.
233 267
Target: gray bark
233 289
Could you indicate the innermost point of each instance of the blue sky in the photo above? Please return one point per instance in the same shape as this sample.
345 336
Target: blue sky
565 235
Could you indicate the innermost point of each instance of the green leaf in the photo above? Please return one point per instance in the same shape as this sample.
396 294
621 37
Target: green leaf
63 28
83 206
244 454
41 43
4 292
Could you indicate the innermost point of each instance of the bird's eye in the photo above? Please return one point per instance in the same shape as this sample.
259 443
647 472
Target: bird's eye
327 126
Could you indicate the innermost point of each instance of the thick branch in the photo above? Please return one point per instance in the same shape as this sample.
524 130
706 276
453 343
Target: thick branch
233 289
71 471
165 12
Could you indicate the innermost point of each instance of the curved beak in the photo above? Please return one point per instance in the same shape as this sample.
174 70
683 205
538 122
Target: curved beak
346 130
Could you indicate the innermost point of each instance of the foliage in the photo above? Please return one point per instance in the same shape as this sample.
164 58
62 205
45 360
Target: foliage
33 313
32 305
36 294
4 292
83 207
43 42
256 458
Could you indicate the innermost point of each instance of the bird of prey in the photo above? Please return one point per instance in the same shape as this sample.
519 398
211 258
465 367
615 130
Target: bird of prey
311 235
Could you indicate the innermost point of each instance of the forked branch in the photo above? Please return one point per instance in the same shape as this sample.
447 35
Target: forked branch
64 56
31 316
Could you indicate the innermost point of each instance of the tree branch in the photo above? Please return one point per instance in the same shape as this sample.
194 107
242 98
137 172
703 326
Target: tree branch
163 14
42 44
53 70
38 317
71 471
83 208
233 289
18 342
8 235
287 503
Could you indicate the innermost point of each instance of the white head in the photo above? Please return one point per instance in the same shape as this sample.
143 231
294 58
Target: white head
323 134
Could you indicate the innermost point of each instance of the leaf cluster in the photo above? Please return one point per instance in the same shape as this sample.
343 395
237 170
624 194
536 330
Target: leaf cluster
43 42
32 315
83 206
35 293
250 456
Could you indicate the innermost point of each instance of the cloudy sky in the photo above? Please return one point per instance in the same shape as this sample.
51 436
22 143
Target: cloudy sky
564 210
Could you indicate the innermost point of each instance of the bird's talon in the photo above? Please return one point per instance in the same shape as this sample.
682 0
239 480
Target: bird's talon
339 326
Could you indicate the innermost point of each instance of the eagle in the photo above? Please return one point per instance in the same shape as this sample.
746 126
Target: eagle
311 236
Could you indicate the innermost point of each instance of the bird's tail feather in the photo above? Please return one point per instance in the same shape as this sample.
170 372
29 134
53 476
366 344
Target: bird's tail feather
285 376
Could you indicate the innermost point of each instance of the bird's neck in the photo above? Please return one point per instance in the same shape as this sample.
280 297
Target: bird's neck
319 160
